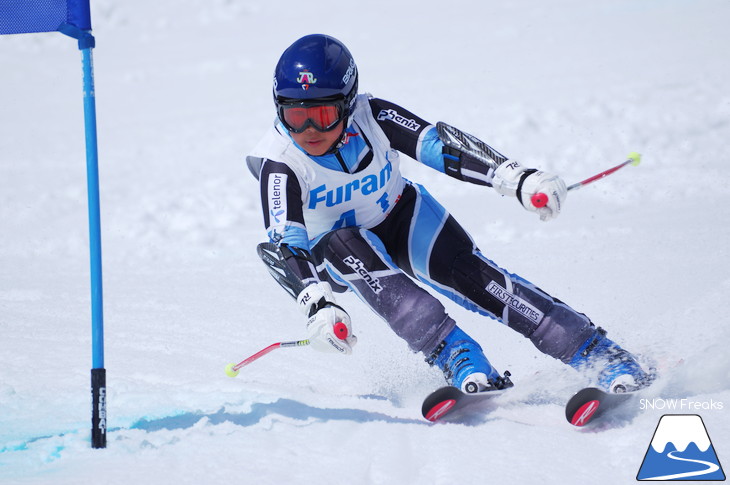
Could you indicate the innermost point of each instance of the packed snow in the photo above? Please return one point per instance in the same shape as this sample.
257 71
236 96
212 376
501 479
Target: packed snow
184 91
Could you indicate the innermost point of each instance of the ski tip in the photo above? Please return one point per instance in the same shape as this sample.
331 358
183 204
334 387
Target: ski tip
584 413
635 157
439 409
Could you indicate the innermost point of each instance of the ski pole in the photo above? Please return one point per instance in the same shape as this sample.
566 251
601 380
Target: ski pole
541 200
232 369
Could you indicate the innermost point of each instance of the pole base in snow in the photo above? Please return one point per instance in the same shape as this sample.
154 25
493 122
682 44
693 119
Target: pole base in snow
98 408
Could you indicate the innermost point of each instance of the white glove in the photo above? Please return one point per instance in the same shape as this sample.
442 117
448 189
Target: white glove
512 179
328 328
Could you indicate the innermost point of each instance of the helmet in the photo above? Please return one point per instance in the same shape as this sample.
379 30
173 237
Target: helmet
316 69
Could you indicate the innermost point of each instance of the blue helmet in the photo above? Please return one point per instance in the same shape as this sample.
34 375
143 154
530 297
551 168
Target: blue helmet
316 68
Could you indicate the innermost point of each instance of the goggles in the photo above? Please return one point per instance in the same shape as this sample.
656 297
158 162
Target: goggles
323 117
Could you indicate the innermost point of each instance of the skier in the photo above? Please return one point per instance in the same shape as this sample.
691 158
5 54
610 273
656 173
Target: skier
342 216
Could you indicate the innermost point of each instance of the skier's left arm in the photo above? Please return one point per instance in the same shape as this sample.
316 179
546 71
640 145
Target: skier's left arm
467 158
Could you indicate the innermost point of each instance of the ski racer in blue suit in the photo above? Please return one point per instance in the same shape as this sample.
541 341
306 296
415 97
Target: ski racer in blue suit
343 217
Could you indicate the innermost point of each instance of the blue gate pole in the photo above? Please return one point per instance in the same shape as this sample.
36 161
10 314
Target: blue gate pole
92 181
98 372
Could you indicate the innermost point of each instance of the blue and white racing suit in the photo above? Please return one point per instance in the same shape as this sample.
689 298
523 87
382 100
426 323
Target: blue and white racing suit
350 218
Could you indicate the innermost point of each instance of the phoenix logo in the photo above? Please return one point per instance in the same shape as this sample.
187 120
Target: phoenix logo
392 115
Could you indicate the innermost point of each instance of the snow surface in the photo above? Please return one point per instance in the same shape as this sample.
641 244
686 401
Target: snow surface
183 91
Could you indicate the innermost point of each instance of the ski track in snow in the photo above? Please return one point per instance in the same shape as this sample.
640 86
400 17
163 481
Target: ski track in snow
183 91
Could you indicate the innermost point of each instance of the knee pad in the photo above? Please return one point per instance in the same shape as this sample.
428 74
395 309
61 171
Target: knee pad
341 248
471 276
342 253
358 259
500 295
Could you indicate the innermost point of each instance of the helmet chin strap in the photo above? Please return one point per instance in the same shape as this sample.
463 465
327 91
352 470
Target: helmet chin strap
340 142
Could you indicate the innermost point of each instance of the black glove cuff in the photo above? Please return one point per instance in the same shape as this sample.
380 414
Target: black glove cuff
322 303
317 307
524 176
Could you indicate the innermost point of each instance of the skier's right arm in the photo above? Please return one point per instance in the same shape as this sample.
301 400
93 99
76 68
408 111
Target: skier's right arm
281 201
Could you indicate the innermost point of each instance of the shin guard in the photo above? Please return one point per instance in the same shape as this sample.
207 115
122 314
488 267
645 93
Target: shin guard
356 258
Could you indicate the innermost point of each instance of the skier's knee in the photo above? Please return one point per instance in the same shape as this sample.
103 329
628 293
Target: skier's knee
352 242
359 258
472 275
339 242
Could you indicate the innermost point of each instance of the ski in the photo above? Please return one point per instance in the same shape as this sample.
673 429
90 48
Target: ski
448 399
590 403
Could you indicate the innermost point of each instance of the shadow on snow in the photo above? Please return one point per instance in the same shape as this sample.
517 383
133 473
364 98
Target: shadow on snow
282 407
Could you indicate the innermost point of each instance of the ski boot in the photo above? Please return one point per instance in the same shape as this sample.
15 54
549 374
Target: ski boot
464 365
614 369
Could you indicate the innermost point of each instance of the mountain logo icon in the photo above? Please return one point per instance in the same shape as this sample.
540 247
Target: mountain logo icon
681 450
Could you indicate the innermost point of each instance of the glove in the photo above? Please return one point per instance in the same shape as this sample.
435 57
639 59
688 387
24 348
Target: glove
512 179
328 322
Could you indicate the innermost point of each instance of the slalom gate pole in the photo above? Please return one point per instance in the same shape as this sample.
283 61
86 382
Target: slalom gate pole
73 18
98 372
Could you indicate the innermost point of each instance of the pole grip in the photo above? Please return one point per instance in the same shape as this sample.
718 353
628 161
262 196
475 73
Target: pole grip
539 200
340 330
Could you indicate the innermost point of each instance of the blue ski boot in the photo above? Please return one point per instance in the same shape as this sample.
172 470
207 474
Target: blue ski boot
464 365
614 369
